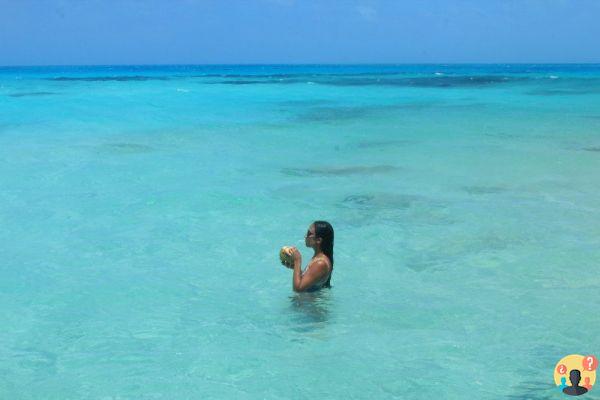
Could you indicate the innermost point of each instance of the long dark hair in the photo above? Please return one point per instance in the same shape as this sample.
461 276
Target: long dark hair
324 230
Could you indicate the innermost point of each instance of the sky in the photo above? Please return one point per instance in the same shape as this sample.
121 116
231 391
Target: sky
101 32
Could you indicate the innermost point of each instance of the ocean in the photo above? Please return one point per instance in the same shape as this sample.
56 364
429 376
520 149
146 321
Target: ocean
142 209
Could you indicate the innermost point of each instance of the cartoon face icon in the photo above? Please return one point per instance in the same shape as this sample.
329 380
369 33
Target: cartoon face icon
572 370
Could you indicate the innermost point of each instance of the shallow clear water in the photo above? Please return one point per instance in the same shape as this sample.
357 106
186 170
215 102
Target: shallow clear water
143 208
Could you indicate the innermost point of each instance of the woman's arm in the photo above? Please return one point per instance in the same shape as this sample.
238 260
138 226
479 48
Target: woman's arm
318 268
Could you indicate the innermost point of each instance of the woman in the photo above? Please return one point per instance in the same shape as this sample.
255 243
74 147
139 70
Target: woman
318 272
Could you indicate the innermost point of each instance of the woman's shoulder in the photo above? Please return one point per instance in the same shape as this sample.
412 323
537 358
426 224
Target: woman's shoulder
322 259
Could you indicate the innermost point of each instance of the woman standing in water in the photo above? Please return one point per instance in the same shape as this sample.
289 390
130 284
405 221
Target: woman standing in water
317 274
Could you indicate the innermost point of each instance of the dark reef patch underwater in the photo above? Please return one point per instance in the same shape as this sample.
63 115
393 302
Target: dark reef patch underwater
125 148
340 171
437 81
31 94
109 78
380 201
483 189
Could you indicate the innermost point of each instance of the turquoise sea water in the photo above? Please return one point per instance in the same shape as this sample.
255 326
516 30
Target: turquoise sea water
142 210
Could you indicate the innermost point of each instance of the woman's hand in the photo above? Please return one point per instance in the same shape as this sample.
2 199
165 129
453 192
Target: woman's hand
296 257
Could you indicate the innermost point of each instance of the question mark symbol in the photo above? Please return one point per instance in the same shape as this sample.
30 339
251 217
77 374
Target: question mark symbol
590 363
562 369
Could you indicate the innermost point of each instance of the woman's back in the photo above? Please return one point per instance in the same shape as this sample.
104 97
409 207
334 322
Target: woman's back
324 281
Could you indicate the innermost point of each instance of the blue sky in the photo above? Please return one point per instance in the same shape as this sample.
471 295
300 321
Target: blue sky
58 32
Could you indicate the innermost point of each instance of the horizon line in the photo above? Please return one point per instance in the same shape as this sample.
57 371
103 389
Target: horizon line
295 64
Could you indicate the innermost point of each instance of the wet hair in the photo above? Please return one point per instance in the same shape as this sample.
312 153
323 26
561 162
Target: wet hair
324 230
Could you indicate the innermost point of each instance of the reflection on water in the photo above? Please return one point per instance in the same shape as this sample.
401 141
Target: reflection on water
310 311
